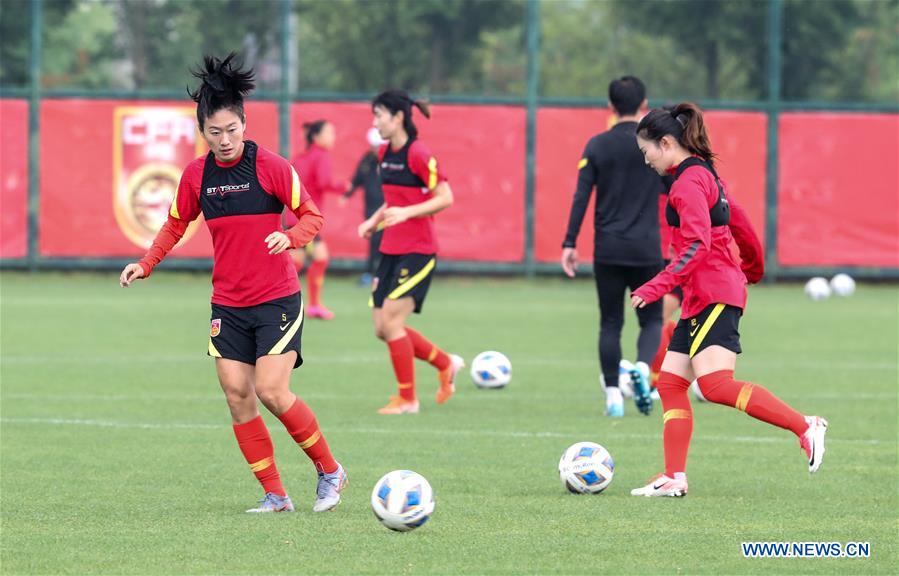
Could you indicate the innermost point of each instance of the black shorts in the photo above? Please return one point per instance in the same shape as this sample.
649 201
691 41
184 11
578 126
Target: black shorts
716 325
246 334
403 275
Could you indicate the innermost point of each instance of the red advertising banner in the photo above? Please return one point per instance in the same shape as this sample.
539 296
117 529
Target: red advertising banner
482 151
838 190
109 171
13 178
562 133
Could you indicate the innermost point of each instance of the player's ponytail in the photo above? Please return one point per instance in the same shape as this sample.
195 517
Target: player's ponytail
312 129
684 123
399 100
224 85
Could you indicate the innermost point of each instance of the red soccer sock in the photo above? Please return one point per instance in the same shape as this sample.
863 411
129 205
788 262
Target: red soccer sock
303 428
315 281
656 368
427 351
402 355
677 421
721 388
256 445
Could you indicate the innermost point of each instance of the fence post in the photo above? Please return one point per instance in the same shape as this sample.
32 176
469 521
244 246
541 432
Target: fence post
533 71
34 141
775 31
284 96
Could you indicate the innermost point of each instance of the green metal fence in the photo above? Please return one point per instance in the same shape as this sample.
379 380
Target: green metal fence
773 105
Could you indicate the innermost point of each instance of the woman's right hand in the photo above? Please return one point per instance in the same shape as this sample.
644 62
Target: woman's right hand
367 228
132 272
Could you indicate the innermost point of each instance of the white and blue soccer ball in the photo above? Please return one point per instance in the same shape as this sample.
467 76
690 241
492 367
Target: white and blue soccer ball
402 500
586 468
491 369
817 288
842 285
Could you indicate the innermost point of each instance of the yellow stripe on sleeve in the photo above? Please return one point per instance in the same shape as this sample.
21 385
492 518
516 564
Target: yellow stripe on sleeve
285 340
294 189
706 326
413 280
432 169
582 163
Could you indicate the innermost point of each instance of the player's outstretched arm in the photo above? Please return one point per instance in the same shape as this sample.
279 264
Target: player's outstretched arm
131 273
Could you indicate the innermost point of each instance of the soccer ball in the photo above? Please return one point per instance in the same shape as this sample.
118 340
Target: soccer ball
402 500
817 288
586 468
842 285
491 370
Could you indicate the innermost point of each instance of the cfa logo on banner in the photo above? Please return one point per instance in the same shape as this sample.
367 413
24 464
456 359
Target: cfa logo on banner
153 145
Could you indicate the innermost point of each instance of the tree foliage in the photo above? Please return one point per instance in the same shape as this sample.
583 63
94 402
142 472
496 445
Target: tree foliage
698 49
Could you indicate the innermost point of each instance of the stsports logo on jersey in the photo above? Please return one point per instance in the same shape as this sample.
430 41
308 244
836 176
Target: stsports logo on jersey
227 188
152 146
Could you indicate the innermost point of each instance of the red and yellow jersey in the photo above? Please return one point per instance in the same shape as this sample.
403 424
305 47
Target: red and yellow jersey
409 176
242 203
703 264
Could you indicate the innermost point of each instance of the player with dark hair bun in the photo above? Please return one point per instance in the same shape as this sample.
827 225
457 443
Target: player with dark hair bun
704 221
257 313
314 166
414 190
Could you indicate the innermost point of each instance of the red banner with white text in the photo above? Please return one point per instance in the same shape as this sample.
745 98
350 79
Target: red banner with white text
110 168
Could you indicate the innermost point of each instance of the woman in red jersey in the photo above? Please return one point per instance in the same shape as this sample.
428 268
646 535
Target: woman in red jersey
414 190
314 167
706 341
257 313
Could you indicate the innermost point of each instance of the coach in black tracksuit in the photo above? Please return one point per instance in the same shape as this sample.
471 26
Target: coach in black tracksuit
627 249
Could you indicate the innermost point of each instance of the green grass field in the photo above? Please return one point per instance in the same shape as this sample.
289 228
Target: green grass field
118 457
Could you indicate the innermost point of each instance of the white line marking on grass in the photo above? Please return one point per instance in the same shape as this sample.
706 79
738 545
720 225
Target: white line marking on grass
423 431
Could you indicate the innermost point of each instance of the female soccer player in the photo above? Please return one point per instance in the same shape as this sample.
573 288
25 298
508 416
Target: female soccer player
706 340
257 314
414 190
314 166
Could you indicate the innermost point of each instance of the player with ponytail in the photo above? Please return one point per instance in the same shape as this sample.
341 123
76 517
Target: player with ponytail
415 189
705 220
257 313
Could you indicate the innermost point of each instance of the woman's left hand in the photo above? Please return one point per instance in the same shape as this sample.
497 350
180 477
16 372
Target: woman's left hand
395 215
277 242
637 302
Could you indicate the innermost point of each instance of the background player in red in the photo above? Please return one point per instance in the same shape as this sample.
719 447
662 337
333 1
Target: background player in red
414 190
314 167
257 313
706 341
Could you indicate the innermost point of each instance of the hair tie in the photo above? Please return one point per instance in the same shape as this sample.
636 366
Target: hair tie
682 120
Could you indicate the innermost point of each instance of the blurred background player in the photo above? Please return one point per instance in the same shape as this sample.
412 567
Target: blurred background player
626 248
706 342
314 167
367 177
414 190
257 313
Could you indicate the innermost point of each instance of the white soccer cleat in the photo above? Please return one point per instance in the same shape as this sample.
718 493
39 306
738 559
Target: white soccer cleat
272 503
327 492
812 441
662 485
